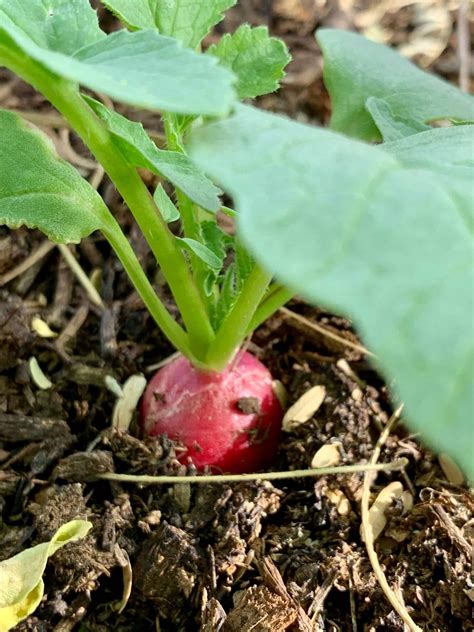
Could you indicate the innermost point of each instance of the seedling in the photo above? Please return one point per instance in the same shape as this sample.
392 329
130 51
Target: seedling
342 222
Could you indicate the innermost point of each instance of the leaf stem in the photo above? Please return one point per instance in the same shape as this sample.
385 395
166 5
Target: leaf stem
189 220
236 324
270 305
175 334
66 98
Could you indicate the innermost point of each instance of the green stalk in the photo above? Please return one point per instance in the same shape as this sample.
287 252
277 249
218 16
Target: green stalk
189 219
269 306
66 98
175 334
236 324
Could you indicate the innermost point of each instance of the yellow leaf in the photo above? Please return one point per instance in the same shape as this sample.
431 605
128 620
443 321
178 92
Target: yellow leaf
21 586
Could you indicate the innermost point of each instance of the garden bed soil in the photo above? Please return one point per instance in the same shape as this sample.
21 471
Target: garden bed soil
242 556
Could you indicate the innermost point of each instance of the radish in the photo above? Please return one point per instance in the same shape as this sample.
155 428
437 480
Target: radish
229 421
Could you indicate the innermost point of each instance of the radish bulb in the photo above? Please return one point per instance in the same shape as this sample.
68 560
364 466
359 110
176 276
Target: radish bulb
229 421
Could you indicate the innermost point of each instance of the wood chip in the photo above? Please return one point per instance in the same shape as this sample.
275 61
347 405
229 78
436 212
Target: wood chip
37 375
451 469
16 427
126 405
304 408
377 520
327 455
259 609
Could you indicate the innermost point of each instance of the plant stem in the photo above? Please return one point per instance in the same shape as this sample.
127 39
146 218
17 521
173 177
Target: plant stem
175 334
269 306
65 97
144 479
236 324
189 220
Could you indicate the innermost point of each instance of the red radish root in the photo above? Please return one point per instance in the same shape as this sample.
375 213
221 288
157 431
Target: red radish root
229 421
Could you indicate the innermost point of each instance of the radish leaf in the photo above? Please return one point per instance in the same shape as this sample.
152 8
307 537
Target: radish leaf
143 69
356 68
257 60
189 22
39 190
371 235
392 127
200 250
168 210
141 151
58 25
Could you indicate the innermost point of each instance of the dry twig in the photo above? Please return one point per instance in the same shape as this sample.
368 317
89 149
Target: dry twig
399 607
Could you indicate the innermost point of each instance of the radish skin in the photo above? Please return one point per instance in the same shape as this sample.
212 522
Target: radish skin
228 421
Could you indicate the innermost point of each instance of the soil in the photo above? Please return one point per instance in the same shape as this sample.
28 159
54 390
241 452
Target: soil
242 556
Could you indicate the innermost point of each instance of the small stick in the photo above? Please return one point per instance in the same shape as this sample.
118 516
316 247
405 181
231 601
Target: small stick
367 536
97 177
62 292
82 277
267 476
71 155
464 49
71 329
26 264
324 331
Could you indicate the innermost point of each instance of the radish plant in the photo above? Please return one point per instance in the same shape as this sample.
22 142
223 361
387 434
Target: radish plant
378 232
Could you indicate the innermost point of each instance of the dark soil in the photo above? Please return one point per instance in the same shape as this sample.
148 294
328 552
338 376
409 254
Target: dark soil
246 556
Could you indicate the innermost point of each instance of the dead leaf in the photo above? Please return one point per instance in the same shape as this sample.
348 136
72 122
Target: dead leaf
376 519
451 469
126 405
304 408
327 455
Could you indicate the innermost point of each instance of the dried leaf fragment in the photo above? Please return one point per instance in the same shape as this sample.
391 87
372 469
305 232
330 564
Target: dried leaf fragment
37 375
126 405
304 408
340 500
451 469
377 520
40 327
327 455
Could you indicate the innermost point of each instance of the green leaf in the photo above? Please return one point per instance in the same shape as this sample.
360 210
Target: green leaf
144 69
450 153
257 60
200 250
392 127
215 239
226 299
189 22
141 151
437 148
168 210
59 25
356 68
362 232
39 190
21 586
243 264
